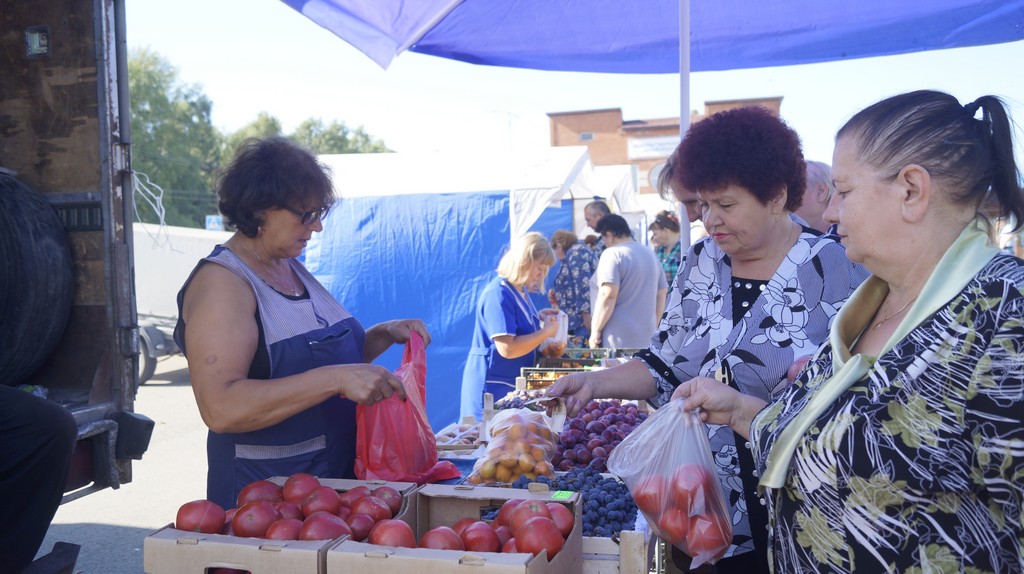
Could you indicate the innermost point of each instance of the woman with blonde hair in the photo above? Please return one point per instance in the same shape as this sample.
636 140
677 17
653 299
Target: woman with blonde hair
508 327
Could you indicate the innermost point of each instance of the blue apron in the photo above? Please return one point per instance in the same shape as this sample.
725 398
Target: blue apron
298 334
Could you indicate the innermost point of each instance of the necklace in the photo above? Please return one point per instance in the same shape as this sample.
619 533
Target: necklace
291 285
898 311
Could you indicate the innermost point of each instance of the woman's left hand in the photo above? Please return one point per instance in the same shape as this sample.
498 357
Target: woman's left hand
400 330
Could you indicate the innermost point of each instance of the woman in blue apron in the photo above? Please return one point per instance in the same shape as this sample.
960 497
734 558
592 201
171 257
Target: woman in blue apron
277 365
508 327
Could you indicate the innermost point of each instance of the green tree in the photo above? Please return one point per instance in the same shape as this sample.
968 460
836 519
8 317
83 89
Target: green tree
335 137
174 142
265 125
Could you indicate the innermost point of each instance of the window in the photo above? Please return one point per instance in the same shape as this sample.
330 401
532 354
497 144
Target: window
586 136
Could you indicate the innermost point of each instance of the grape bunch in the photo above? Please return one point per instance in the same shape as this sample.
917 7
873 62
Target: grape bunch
608 508
590 436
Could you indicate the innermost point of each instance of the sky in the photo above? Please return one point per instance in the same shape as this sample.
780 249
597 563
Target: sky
250 56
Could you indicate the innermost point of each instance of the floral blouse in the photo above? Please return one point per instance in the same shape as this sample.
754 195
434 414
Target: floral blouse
572 284
670 259
789 319
919 465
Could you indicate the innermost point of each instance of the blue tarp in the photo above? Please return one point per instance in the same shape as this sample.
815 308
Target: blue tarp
406 253
643 36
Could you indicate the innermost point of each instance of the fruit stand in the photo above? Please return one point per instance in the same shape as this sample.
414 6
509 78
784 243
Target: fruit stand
517 469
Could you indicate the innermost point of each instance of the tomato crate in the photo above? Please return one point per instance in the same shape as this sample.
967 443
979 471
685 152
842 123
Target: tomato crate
443 505
629 553
172 551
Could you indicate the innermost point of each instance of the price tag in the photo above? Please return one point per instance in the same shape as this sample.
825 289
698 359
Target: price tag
562 494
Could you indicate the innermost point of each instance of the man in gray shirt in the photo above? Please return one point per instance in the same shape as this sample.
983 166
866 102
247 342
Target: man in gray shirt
630 289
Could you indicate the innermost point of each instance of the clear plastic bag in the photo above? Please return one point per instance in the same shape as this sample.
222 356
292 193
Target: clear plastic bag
555 346
521 444
666 463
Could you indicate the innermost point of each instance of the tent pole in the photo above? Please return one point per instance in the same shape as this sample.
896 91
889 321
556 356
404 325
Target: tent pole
684 105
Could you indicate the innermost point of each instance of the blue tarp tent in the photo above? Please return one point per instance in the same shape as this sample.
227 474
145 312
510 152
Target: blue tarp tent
419 237
643 37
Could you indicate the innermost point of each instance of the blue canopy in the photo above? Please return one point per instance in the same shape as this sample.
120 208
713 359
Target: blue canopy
643 36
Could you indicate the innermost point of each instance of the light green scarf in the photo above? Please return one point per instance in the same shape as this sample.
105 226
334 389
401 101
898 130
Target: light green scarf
962 261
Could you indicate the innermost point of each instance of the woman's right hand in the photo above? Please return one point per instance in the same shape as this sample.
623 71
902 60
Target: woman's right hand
717 401
574 389
367 384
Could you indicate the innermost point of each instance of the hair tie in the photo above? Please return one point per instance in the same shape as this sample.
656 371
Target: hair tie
971 108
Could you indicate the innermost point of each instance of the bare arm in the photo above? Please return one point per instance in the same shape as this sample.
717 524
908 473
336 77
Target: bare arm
221 333
603 308
629 380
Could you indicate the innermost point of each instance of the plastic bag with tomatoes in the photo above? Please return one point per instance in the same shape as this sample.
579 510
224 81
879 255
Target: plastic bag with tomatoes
521 444
666 463
394 440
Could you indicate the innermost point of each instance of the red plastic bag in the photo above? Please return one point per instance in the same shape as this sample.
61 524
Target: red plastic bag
394 440
666 463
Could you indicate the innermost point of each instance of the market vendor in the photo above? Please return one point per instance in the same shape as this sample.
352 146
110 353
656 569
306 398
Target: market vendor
277 365
508 327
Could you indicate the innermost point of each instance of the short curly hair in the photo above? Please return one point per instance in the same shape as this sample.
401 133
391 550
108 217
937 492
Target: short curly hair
271 173
750 147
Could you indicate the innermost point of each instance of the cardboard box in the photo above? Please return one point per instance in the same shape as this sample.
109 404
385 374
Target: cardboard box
630 555
172 551
169 550
443 505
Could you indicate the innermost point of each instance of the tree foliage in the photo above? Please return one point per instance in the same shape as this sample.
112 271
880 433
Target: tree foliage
174 141
335 137
177 147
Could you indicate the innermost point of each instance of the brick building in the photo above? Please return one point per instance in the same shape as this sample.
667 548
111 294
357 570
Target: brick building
643 144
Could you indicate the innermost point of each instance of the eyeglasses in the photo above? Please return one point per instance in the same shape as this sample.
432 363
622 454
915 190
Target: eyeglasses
309 217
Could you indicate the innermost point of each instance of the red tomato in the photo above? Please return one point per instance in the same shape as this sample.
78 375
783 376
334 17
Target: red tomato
480 537
390 496
525 511
229 529
361 525
562 517
200 516
392 532
259 490
503 532
322 498
506 510
322 525
298 487
254 518
687 483
673 525
284 529
442 538
373 507
289 510
344 512
509 546
650 495
707 538
350 496
539 533
461 525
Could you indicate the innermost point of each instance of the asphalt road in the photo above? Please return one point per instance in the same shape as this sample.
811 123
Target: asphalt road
110 525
